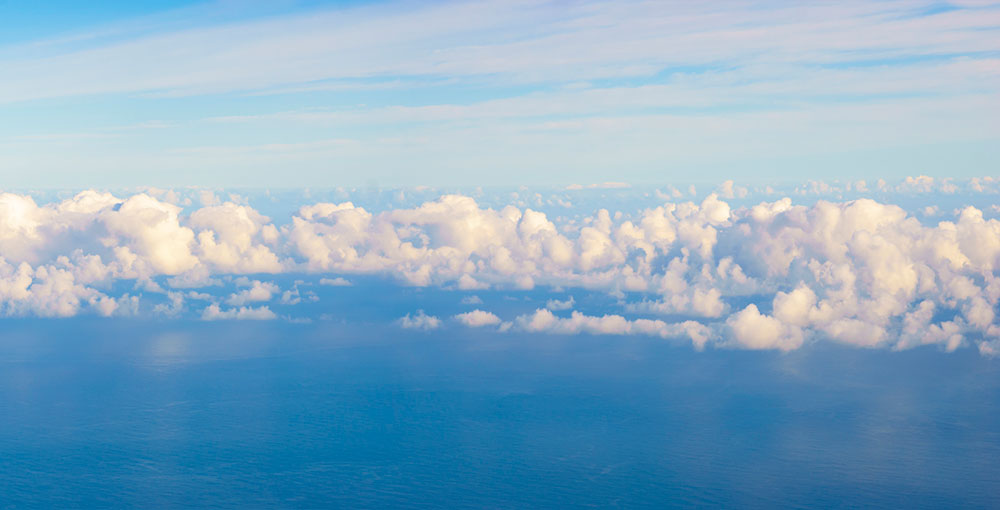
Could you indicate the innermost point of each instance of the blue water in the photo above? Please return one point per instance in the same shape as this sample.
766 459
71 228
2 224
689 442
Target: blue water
99 413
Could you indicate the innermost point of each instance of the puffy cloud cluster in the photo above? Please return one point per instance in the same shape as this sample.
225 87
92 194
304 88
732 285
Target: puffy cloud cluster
215 312
419 320
54 291
478 318
453 241
258 291
772 276
868 274
753 330
57 258
139 236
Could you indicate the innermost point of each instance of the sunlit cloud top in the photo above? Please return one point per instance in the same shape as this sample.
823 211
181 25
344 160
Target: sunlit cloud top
732 267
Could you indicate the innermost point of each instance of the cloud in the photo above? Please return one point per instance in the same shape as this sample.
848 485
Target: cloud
544 321
555 304
419 320
214 312
234 238
335 282
521 43
472 300
775 275
258 291
573 90
728 189
755 331
478 318
466 282
603 185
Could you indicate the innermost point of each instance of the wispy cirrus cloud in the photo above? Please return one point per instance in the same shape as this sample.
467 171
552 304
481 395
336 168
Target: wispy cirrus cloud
520 91
524 41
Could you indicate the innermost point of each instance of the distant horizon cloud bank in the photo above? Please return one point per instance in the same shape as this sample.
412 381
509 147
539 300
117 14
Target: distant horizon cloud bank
734 268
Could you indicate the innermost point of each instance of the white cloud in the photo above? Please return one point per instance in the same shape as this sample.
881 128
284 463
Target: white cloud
173 307
857 272
753 330
478 318
214 312
519 42
603 185
335 282
234 239
466 282
419 320
555 304
472 300
258 291
728 189
544 321
724 83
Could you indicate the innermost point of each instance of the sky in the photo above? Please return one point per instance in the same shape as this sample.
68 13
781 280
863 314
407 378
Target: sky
499 253
495 93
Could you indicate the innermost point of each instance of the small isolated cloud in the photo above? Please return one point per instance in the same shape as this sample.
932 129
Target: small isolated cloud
420 320
728 189
990 349
555 304
472 300
603 185
668 194
478 318
214 312
258 291
291 297
544 321
335 282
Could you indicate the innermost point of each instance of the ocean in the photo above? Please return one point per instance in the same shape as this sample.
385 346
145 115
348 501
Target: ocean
168 414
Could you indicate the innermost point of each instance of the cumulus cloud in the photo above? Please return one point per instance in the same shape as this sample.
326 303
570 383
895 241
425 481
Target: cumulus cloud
214 312
775 275
419 320
235 239
478 318
753 330
555 304
335 282
258 291
544 321
728 189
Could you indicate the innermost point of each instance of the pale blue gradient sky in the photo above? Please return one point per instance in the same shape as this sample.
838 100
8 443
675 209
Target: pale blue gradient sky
494 93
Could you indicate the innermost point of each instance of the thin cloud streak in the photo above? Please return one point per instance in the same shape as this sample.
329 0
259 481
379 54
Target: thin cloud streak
515 41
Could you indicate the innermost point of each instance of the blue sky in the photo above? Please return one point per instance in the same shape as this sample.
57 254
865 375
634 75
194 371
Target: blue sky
324 94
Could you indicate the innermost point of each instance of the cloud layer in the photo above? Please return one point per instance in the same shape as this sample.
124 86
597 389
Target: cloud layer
773 275
536 92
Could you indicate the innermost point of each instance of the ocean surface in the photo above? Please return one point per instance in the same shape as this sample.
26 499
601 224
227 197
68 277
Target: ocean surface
166 414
